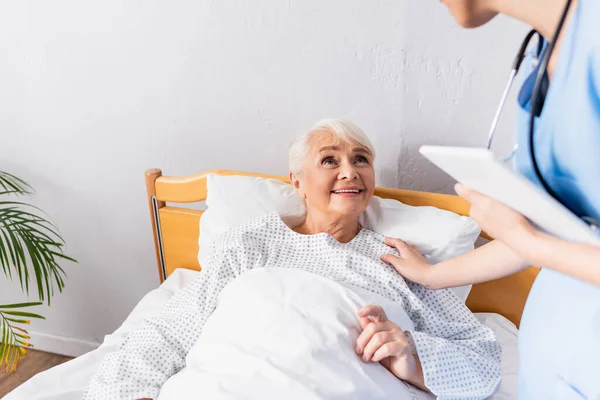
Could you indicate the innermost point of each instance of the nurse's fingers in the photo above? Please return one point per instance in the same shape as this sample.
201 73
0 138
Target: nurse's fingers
401 245
396 243
482 206
467 193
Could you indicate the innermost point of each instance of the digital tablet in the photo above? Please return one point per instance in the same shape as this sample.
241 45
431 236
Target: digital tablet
480 170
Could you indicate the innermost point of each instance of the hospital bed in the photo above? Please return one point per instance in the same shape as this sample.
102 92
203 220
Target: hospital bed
176 227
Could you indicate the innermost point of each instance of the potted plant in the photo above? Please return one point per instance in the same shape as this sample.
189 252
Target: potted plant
30 246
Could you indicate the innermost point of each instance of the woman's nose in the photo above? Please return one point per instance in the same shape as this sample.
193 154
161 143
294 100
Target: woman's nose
348 172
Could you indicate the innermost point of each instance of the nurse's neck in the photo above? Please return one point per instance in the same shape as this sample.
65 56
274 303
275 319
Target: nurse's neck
542 15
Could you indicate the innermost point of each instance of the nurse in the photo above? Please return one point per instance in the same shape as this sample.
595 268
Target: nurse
559 339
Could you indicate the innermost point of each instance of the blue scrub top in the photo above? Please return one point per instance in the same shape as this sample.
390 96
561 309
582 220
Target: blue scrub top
559 339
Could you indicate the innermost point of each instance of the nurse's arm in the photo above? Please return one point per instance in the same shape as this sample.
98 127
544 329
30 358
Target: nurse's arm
577 260
536 248
491 261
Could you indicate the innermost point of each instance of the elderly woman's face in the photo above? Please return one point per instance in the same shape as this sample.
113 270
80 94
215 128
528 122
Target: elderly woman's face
338 177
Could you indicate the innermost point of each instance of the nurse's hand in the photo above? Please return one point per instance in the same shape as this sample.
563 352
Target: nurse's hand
495 218
412 265
384 342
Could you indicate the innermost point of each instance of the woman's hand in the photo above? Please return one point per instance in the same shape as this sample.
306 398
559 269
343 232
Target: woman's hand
384 342
412 265
495 218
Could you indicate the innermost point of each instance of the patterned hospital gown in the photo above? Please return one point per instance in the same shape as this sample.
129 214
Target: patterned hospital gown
460 356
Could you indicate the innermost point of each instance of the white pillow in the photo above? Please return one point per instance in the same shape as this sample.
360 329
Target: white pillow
233 200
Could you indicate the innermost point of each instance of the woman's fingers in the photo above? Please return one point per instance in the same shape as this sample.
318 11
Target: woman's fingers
373 311
378 340
364 322
376 330
367 334
364 337
389 349
372 320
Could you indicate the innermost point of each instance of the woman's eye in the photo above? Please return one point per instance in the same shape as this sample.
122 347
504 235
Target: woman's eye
362 159
329 161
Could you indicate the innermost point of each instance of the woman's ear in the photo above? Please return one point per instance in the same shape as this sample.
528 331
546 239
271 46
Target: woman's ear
296 184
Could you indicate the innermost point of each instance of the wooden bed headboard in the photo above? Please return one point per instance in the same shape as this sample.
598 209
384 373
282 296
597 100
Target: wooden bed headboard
177 229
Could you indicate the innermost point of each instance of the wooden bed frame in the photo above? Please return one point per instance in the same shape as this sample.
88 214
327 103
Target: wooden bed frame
177 229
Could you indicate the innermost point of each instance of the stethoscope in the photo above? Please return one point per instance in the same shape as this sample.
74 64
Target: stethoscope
535 103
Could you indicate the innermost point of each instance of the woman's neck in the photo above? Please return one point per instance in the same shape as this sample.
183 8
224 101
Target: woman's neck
341 229
542 15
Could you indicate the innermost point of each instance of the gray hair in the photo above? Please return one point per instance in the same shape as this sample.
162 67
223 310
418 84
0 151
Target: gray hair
341 129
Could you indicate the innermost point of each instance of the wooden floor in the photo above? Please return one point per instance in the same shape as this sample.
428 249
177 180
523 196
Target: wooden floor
34 362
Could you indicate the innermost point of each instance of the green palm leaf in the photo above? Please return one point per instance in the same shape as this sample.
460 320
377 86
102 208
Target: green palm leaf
14 340
30 243
30 249
13 184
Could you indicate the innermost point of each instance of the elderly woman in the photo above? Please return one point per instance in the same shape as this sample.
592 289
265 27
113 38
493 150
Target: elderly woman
331 167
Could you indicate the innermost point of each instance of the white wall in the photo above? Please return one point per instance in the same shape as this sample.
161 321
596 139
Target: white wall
93 93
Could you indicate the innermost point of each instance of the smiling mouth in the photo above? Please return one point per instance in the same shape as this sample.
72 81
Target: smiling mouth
355 191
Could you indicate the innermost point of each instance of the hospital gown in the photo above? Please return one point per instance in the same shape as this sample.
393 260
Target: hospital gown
460 357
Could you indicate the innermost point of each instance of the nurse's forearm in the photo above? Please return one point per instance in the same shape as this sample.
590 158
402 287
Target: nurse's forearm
491 261
577 260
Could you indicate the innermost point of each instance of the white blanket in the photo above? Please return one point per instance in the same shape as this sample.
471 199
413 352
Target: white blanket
68 381
282 333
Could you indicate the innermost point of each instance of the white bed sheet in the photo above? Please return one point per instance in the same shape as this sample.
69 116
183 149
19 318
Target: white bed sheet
69 380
